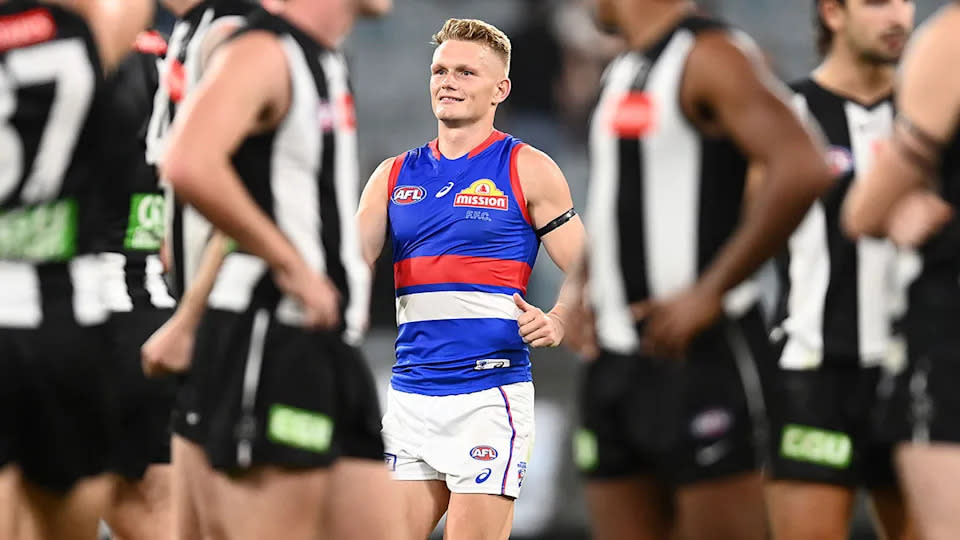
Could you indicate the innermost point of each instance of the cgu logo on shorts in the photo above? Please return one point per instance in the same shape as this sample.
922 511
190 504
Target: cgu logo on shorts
482 194
408 194
483 453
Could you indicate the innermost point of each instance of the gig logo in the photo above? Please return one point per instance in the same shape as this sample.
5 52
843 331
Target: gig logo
408 194
483 453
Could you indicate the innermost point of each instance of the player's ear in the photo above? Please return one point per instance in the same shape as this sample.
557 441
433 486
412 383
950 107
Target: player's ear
502 92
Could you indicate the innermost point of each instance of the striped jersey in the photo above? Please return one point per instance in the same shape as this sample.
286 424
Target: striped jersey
836 291
664 197
51 85
187 230
304 175
133 204
463 244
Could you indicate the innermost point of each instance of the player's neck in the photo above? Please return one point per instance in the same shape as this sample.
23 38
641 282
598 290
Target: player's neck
456 141
325 22
644 26
863 81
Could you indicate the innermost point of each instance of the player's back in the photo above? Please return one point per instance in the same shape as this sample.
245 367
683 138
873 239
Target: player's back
665 196
50 85
462 246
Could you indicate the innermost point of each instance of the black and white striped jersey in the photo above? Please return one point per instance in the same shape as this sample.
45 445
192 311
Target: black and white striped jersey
187 231
836 293
304 175
664 197
51 84
133 201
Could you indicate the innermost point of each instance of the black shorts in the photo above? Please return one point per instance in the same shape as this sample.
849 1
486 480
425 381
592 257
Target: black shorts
682 422
187 421
272 394
53 409
140 406
824 427
922 404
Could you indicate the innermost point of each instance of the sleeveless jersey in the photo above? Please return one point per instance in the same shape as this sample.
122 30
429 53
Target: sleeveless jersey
835 295
463 244
304 175
187 231
133 207
51 85
664 197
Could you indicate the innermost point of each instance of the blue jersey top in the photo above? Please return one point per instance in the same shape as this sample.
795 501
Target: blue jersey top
463 243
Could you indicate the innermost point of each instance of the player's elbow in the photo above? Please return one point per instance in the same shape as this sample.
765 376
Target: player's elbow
183 168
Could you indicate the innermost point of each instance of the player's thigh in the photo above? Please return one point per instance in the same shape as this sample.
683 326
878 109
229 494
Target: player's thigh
890 515
189 480
366 501
141 509
728 508
791 503
270 502
475 516
929 478
629 508
422 503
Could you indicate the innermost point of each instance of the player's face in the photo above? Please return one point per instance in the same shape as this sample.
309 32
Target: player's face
878 30
467 79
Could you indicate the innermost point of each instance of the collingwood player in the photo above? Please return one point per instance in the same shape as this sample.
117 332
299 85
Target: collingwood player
834 334
286 394
54 57
139 301
680 117
911 194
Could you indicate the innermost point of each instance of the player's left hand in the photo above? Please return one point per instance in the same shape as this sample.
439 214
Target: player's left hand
672 323
537 328
918 217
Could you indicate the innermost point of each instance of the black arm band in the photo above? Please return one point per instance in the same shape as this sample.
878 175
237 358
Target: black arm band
549 227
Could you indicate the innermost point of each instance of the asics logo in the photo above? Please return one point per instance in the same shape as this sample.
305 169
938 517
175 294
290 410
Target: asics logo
443 191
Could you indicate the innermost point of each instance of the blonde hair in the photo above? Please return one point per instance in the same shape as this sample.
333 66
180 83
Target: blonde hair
476 31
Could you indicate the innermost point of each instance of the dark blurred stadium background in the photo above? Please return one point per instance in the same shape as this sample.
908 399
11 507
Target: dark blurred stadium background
558 58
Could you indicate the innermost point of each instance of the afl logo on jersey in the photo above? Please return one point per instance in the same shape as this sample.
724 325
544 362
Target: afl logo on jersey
482 194
483 453
408 194
634 115
840 160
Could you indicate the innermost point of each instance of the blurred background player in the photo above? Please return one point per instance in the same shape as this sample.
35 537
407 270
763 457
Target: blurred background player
467 212
283 401
672 408
834 334
138 298
911 194
201 26
54 57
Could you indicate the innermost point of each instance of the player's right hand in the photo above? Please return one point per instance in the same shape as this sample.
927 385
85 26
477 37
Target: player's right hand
918 217
317 294
169 349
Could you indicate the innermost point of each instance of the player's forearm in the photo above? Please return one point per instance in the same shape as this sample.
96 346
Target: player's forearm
214 189
871 199
194 301
792 185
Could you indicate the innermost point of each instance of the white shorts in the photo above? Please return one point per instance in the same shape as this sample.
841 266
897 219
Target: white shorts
476 443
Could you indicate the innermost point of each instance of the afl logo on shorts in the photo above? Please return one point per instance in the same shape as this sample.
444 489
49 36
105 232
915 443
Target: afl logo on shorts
483 453
840 160
408 194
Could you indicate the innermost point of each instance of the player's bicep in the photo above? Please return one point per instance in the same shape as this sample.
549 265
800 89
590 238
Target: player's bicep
244 81
372 212
219 31
746 100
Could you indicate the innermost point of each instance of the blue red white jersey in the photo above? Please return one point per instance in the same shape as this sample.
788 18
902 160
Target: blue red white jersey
463 244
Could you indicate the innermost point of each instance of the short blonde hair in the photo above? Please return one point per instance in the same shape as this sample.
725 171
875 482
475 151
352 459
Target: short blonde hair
478 32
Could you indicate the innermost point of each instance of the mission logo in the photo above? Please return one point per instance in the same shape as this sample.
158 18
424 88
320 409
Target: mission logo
482 194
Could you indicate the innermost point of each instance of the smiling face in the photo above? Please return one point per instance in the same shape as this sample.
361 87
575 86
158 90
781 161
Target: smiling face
467 81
